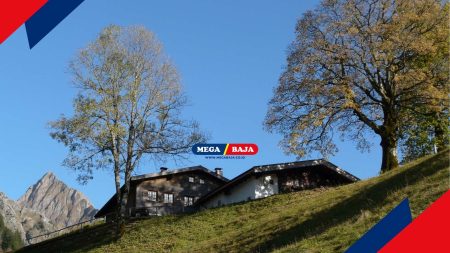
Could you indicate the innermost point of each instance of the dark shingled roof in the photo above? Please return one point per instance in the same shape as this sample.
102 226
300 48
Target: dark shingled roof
181 170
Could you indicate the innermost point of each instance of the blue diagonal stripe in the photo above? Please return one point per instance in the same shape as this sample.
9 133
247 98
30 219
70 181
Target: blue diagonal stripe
383 231
47 18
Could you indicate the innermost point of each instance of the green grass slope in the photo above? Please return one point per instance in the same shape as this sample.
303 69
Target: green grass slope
325 220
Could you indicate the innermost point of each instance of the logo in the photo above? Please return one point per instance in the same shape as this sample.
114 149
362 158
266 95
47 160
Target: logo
39 16
230 149
398 232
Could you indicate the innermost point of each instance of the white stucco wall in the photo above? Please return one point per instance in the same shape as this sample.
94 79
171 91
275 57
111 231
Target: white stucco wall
266 186
252 188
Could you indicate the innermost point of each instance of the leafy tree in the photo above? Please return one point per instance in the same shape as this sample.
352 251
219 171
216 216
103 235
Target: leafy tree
9 239
128 107
424 135
359 67
6 239
426 130
418 143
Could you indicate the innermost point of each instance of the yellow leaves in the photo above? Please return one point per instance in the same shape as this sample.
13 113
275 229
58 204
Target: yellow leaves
353 62
352 30
317 122
349 104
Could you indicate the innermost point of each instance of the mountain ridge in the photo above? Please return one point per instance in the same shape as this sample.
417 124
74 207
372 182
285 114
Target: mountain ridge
27 222
63 205
46 206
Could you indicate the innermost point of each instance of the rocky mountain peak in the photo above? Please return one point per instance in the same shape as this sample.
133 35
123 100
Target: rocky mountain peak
49 176
62 205
27 222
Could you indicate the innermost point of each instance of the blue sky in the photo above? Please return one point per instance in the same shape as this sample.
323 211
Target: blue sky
229 55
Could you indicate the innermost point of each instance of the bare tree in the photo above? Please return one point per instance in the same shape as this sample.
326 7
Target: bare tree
128 107
359 67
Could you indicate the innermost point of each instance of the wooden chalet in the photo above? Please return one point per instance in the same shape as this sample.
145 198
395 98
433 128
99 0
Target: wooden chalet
267 180
167 192
193 188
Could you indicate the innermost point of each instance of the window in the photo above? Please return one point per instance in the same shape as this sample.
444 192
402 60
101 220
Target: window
201 181
168 198
152 195
191 179
188 201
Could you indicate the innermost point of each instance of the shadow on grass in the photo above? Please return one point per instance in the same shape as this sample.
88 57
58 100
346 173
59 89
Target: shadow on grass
78 241
85 239
368 197
371 197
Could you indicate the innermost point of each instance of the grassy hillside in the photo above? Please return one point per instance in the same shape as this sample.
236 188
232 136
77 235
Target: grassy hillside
325 220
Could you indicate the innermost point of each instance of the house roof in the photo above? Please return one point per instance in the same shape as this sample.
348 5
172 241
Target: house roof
278 167
113 200
177 171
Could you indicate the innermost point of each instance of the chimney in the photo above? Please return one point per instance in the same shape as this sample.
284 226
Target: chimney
163 169
219 171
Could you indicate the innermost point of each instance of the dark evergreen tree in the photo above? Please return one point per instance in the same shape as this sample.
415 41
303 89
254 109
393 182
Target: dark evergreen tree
9 240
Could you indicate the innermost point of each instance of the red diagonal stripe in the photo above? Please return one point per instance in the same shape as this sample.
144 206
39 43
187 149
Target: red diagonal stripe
429 232
13 13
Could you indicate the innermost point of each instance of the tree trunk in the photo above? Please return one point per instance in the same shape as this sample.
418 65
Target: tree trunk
389 159
120 225
128 170
440 135
119 218
125 194
389 135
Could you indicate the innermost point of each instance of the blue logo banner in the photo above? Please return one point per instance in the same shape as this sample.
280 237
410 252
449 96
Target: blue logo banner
47 18
383 231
